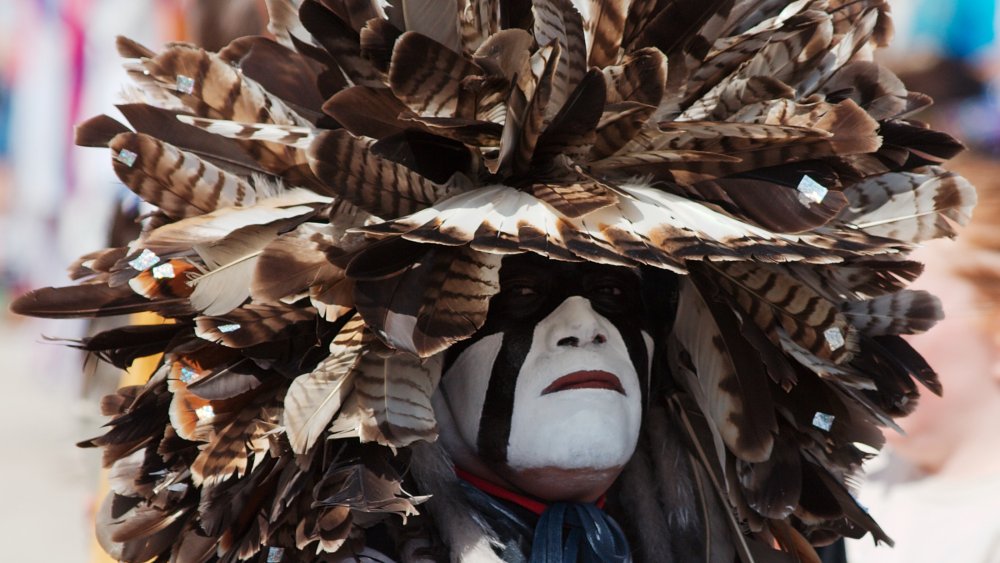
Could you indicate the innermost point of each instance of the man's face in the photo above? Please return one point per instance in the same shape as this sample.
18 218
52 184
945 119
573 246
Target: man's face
555 377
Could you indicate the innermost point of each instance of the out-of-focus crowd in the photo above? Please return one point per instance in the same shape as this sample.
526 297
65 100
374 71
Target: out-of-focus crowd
58 66
938 486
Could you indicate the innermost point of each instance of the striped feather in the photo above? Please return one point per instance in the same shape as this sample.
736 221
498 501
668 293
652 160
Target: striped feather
785 59
314 398
911 206
604 25
575 199
178 182
641 77
296 136
426 307
216 89
904 312
646 226
226 456
341 42
737 398
558 22
775 301
397 391
427 76
376 185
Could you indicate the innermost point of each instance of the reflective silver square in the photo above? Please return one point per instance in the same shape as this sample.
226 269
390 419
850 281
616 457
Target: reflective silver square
823 421
810 191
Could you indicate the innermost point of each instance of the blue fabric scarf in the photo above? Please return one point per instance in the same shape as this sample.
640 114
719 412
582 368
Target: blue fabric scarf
572 532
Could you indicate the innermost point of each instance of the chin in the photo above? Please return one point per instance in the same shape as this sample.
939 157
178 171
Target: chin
580 429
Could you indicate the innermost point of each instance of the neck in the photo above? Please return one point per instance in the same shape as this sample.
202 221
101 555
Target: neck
559 484
538 506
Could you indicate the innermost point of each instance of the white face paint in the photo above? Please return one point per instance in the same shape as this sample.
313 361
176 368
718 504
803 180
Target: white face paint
573 428
467 380
580 426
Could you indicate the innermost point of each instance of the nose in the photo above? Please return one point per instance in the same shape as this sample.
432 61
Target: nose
574 324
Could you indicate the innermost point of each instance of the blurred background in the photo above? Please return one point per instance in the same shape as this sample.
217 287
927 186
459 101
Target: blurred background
58 66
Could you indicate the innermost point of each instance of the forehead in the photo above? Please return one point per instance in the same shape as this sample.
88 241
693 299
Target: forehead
531 287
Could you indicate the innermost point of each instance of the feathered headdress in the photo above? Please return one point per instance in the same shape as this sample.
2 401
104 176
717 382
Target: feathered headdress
331 211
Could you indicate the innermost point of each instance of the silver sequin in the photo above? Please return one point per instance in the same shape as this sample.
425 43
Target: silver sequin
185 84
834 338
144 261
188 375
127 157
810 191
164 271
205 412
274 554
823 421
232 327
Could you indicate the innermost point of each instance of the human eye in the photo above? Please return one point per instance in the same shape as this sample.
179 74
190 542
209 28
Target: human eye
611 293
521 295
523 291
610 290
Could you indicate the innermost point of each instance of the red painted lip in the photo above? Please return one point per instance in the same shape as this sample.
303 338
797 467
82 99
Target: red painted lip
588 379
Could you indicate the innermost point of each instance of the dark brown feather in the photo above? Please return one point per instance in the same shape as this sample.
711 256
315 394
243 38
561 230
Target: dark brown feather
428 77
281 71
163 124
378 38
352 171
92 300
340 41
98 131
571 131
772 487
367 111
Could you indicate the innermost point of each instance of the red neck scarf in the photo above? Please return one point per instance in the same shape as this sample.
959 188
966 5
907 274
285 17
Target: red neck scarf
534 505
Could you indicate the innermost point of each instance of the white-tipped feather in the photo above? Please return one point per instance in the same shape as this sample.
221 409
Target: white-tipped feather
397 391
905 312
297 136
911 206
314 398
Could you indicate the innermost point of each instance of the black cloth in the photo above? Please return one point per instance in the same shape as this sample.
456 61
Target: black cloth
833 553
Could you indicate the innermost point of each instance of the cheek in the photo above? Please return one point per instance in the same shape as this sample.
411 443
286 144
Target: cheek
466 382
